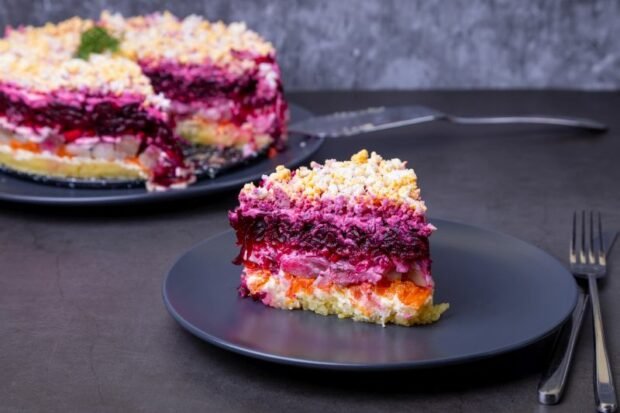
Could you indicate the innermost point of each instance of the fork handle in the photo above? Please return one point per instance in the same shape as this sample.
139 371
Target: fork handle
552 383
588 124
604 389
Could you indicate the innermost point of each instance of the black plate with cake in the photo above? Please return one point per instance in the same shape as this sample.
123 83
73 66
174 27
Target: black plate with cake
350 242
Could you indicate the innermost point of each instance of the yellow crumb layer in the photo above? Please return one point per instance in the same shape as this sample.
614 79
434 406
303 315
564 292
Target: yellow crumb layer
401 302
43 58
64 167
366 177
163 36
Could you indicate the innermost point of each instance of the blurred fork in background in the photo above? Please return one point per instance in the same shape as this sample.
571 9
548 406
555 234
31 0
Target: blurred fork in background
341 124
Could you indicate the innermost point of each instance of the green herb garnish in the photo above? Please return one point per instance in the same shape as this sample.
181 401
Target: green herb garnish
96 40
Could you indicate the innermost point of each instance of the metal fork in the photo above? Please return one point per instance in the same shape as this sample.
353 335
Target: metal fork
349 123
587 260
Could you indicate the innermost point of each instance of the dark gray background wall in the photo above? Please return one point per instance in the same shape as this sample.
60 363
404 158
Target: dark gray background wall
400 44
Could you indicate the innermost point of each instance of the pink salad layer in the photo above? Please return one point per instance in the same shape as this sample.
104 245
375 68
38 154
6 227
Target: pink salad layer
343 242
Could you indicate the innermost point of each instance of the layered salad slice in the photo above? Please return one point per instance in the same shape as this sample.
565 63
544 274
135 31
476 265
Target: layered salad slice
346 238
63 116
222 80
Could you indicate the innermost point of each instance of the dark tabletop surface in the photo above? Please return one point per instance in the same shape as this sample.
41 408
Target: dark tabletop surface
83 327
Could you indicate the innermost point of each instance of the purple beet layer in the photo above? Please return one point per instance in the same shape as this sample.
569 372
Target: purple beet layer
191 82
373 240
92 114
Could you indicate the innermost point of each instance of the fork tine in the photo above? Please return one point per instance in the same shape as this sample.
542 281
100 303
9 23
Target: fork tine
582 257
591 257
601 242
573 240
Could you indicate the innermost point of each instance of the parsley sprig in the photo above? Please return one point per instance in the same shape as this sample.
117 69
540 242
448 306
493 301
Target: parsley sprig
96 40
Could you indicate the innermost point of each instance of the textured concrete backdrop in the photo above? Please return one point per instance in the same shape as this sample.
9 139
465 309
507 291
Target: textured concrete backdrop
372 44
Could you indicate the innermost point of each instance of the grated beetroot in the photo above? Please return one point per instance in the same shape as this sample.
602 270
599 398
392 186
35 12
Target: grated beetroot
386 249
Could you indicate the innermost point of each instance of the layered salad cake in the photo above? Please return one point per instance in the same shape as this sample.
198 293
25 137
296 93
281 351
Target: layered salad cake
346 238
151 98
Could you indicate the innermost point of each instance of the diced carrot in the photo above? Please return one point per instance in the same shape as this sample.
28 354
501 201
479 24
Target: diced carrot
27 146
300 284
134 160
62 152
411 294
258 283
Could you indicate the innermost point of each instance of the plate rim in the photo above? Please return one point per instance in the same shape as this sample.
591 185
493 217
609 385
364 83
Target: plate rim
151 197
411 365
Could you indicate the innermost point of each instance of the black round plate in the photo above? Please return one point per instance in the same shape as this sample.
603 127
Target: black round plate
24 190
504 294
